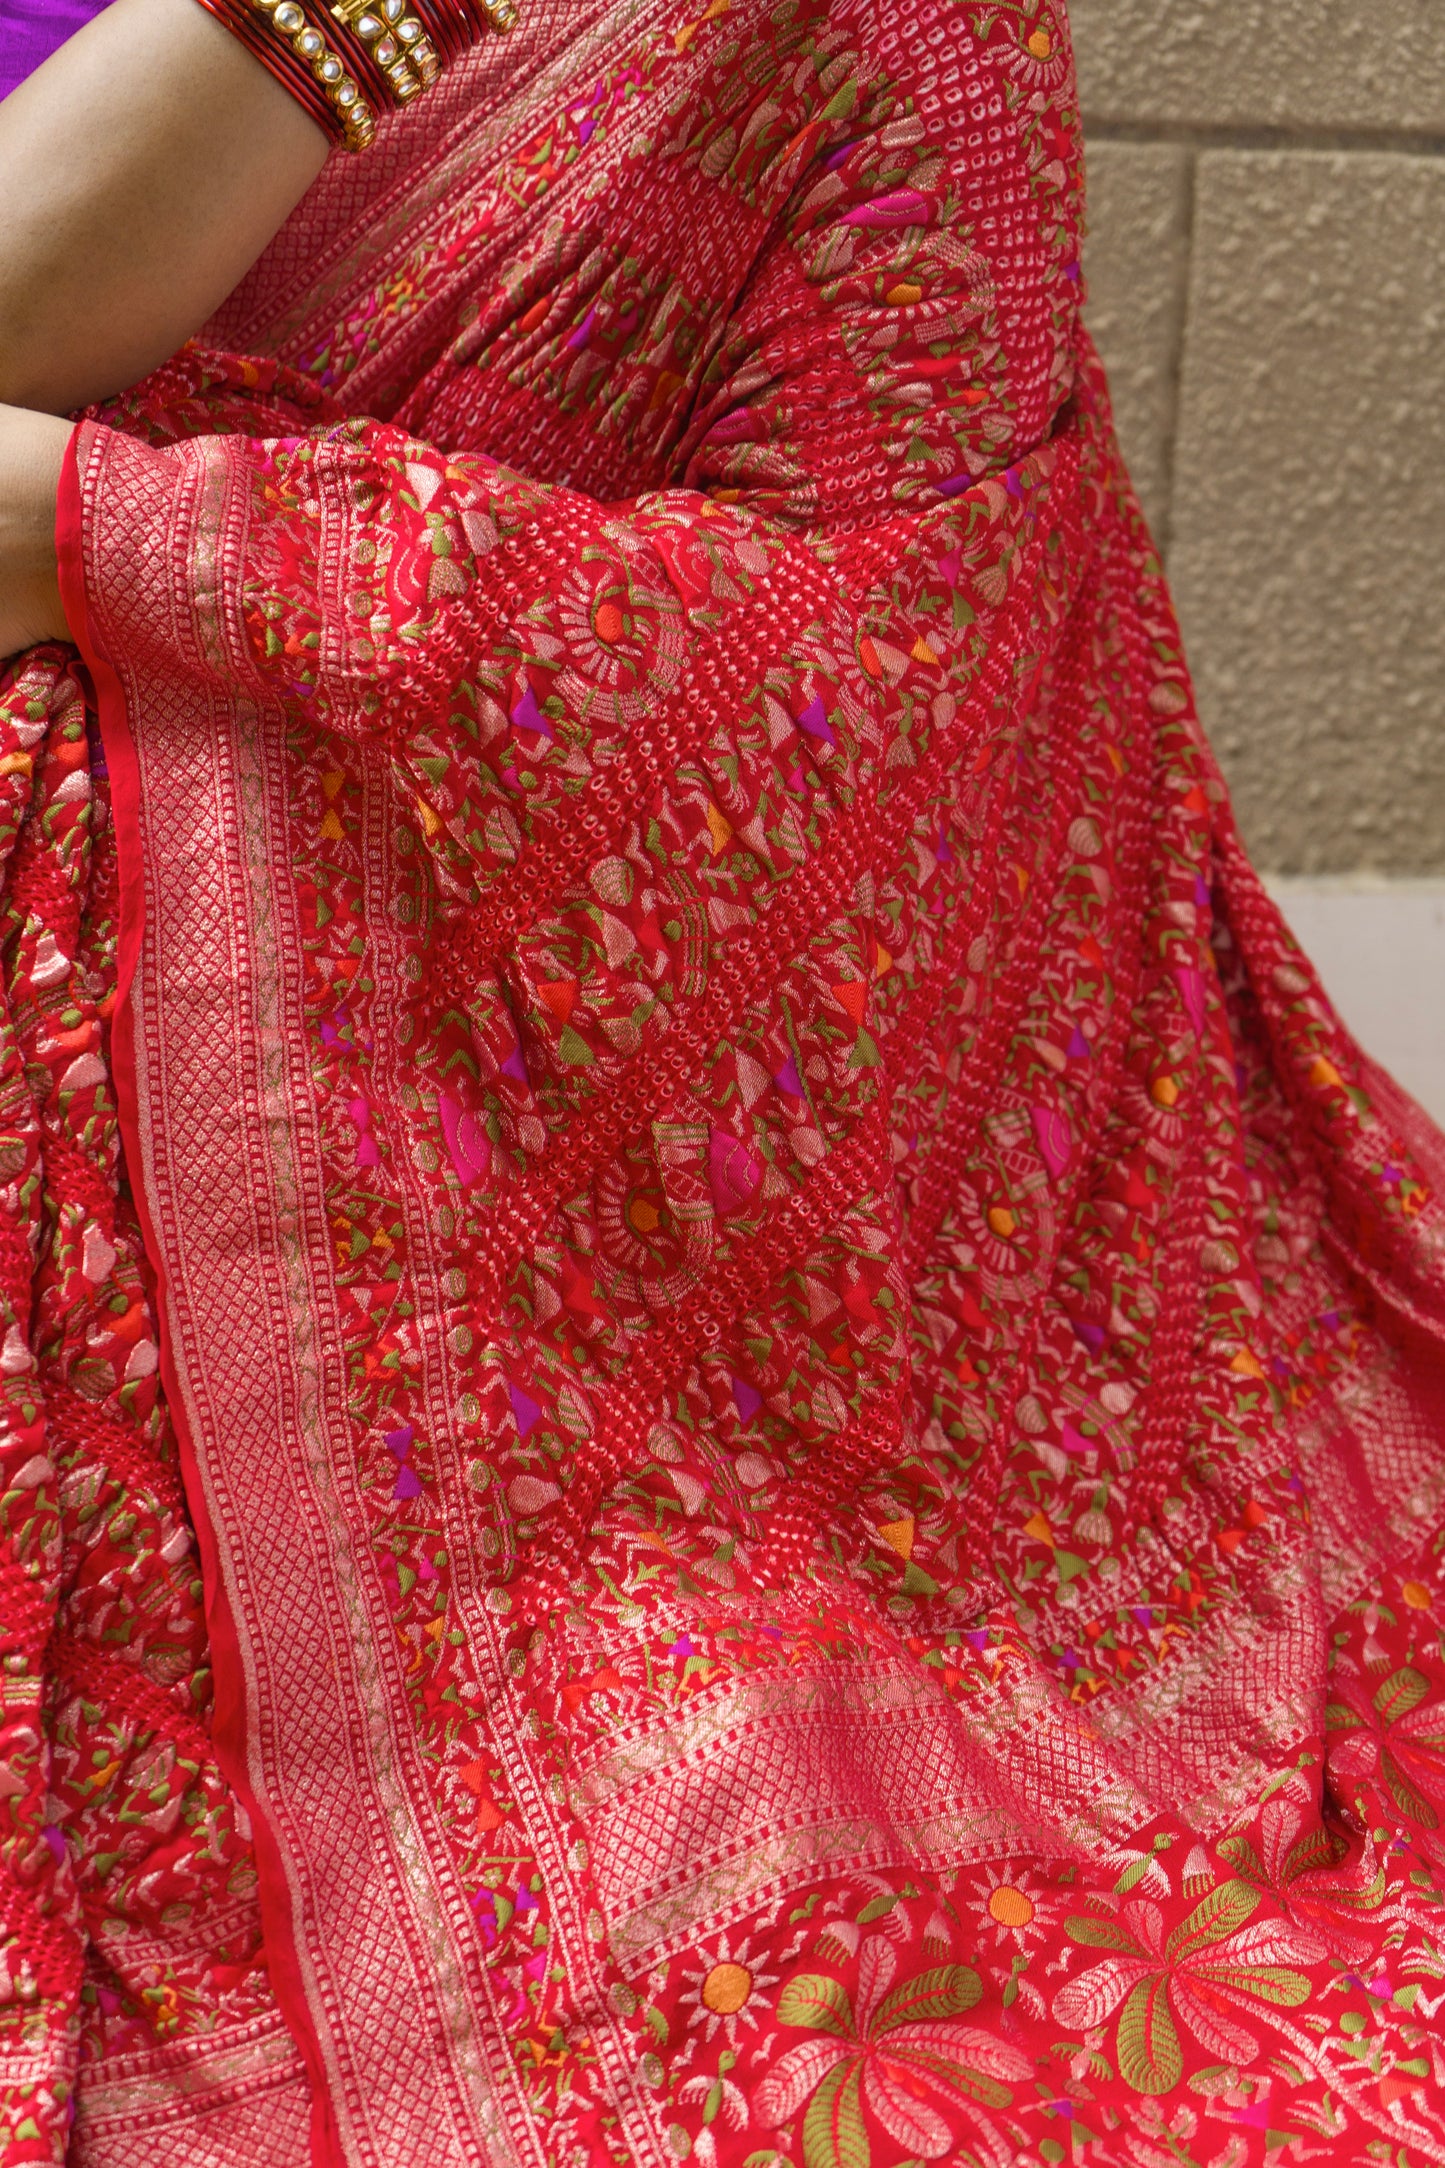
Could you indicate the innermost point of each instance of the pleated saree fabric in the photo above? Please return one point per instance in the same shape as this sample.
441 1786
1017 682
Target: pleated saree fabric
725 1434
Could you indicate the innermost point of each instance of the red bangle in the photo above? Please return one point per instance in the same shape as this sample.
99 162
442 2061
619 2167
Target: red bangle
276 57
312 67
443 28
344 63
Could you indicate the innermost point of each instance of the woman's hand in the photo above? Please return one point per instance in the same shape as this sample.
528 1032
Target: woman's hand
32 449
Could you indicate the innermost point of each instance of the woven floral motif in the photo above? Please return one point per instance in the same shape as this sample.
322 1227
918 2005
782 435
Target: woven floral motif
807 1368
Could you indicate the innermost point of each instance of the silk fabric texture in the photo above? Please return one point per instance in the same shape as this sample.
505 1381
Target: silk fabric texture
723 1421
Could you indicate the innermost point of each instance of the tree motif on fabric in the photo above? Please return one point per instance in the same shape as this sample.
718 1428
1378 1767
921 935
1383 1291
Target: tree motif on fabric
900 2046
1209 1965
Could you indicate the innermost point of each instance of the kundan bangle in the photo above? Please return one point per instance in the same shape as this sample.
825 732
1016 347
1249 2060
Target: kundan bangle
292 24
346 62
253 30
395 42
457 25
296 55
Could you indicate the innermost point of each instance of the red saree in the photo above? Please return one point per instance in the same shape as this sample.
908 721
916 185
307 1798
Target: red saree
671 1194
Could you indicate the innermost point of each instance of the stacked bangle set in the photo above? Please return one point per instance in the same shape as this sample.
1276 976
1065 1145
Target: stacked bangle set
345 63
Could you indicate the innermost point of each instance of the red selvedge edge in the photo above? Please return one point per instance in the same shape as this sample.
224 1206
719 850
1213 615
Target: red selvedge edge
228 1719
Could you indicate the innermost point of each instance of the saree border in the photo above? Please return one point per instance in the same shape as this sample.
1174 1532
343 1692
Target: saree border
196 944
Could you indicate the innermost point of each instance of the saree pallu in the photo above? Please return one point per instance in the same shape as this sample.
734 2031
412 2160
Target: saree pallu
724 1425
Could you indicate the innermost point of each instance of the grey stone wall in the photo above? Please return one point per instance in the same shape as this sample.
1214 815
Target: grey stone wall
1266 267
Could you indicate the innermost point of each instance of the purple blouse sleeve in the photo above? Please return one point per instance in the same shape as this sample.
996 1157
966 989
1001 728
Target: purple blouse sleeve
30 30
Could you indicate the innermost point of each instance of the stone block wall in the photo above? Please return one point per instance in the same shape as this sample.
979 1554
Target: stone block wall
1266 268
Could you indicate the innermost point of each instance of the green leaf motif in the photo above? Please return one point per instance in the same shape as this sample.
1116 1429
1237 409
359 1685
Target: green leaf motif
1339 1717
833 2132
946 1992
1242 1857
1221 1913
1100 1934
573 1049
971 2083
1403 1691
1362 1900
1149 2057
818 2003
1312 1853
1403 1792
1267 1983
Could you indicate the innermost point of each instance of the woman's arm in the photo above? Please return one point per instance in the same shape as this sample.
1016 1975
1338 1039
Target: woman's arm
143 169
32 451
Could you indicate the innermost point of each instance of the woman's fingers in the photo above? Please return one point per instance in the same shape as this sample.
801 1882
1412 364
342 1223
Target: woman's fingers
32 450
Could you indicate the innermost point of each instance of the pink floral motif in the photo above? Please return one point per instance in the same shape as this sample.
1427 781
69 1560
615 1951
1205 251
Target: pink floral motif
1210 1964
1306 1868
1396 1732
897 2049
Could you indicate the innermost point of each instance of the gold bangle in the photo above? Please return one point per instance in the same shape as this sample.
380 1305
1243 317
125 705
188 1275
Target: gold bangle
290 21
397 43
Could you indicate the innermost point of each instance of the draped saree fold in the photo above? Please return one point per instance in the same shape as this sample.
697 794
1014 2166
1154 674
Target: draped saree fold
675 1202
